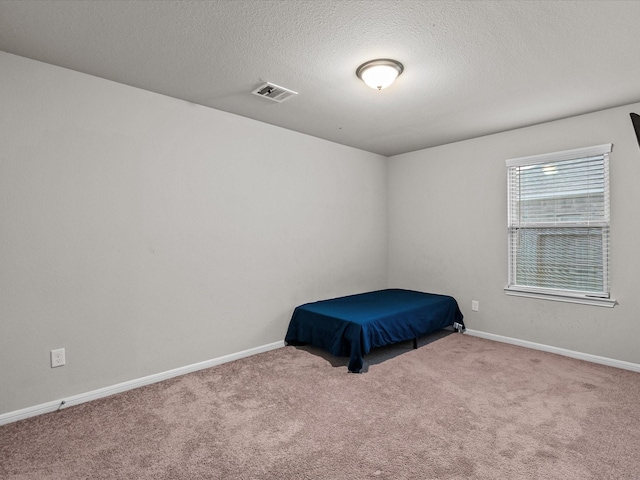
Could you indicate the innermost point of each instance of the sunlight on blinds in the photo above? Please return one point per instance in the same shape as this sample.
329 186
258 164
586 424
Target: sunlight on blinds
559 222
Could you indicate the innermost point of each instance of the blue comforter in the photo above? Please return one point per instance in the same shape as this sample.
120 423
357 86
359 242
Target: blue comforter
353 325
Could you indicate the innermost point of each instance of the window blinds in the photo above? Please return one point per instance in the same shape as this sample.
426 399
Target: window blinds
558 222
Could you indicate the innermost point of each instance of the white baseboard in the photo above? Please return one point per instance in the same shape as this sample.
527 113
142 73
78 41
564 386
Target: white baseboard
611 362
131 384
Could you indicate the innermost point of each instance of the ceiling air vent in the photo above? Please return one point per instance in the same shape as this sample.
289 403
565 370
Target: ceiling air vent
274 92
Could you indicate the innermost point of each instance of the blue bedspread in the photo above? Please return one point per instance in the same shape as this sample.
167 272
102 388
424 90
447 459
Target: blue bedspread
353 325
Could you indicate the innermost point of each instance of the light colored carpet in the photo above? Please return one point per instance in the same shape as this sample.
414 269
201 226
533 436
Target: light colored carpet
458 407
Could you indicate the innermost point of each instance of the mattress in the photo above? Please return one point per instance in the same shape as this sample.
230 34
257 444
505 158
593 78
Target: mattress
351 326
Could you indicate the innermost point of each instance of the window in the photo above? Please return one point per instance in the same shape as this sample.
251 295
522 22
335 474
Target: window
558 226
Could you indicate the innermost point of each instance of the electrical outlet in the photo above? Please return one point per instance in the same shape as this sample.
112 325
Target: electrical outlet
57 358
475 305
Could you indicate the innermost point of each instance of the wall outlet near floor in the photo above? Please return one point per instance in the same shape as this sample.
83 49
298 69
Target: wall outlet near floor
57 358
475 305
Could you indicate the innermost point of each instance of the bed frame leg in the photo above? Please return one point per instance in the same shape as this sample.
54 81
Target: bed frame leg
458 327
415 343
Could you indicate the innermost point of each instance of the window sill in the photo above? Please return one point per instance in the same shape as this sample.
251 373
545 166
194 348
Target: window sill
595 301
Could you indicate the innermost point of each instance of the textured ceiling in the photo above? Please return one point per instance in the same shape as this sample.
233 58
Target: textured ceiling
471 68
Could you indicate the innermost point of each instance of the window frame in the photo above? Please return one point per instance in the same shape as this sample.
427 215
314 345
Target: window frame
588 298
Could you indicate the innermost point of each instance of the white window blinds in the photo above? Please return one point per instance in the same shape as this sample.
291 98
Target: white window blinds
558 223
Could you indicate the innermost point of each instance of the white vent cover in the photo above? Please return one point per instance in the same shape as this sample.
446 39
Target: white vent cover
274 92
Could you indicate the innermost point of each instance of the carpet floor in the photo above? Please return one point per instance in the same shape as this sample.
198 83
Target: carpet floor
458 407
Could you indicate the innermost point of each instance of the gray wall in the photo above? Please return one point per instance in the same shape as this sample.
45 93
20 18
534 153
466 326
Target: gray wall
447 233
143 233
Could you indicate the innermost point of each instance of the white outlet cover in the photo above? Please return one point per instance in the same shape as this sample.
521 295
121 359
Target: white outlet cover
57 358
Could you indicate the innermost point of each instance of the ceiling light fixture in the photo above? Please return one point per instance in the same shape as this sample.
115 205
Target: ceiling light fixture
379 73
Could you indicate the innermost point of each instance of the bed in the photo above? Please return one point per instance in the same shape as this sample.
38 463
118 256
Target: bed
351 326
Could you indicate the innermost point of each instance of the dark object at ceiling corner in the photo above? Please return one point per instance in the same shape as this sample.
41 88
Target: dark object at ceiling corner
635 119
